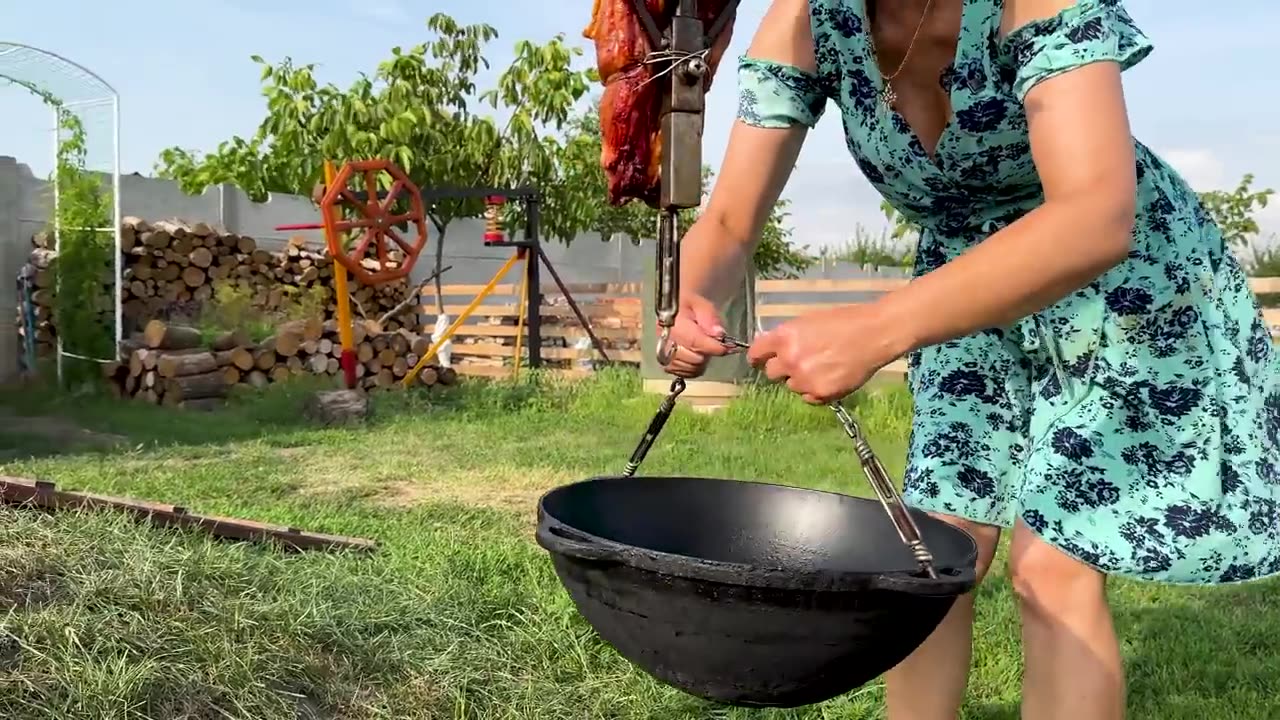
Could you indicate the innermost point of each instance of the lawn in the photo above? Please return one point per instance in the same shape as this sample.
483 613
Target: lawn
458 615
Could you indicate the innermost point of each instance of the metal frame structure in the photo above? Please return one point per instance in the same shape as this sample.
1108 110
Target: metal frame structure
527 248
71 87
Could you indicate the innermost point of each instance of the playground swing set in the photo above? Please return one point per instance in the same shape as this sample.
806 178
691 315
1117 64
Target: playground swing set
382 218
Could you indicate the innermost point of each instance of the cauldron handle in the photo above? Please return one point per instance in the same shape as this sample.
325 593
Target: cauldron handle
888 495
950 582
560 539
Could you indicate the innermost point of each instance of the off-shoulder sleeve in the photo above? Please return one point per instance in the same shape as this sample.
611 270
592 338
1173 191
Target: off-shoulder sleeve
777 95
1089 31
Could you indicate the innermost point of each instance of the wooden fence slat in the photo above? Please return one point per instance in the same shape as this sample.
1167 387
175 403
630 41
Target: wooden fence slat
612 290
794 309
591 311
871 285
548 353
863 285
1265 285
567 331
504 371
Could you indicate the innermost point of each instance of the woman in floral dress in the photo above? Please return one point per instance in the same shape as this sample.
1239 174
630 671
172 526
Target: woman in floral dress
1089 366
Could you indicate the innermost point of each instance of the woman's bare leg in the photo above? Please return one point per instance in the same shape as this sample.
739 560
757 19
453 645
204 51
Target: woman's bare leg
930 684
1073 668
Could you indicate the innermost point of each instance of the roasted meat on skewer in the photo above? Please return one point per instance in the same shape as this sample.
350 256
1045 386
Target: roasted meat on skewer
632 103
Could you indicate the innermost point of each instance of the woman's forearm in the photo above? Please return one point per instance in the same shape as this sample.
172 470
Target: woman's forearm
713 259
1029 265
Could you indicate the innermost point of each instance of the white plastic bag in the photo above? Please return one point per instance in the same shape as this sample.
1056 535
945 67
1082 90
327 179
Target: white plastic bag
445 353
585 349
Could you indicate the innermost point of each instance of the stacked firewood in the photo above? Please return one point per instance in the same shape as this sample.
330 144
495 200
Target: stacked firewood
40 283
172 269
174 365
171 264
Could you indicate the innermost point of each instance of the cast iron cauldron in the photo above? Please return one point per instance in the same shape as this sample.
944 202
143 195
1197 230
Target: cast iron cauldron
748 593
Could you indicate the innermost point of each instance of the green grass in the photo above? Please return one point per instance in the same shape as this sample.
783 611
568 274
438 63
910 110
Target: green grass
458 615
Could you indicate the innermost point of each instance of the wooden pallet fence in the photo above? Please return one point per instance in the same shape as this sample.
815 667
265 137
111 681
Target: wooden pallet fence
485 345
772 311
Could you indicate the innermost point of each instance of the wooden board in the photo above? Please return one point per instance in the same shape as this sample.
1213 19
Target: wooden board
871 285
575 289
47 495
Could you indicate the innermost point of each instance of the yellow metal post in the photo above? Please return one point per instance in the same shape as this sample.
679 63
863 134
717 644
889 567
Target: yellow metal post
345 334
484 293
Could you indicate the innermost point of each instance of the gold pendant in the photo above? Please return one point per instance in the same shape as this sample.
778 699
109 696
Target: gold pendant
887 96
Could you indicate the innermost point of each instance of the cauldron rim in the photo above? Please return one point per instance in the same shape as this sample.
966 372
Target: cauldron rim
558 538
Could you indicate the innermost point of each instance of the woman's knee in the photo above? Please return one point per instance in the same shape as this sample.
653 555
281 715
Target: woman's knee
1049 582
986 536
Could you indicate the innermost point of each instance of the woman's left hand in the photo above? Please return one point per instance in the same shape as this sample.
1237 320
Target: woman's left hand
826 354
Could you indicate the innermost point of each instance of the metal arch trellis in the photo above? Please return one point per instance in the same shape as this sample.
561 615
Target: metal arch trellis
68 87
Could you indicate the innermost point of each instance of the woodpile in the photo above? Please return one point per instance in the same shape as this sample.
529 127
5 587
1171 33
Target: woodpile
173 269
173 364
40 279
171 263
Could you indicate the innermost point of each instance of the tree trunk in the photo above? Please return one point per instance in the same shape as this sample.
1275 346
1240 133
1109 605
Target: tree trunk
440 232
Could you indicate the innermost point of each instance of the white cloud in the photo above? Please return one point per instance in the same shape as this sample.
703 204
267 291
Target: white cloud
380 10
1202 168
1269 220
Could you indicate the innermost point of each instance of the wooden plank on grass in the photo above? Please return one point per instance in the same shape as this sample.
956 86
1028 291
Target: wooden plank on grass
47 495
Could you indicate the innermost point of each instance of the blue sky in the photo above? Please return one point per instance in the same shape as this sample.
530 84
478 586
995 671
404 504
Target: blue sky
1205 98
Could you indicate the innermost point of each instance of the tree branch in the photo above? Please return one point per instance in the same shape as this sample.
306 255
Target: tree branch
412 295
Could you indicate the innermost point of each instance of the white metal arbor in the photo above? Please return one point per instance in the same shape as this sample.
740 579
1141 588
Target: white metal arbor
72 89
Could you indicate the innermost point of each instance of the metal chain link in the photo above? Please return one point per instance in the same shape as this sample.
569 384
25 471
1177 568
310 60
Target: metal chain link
876 474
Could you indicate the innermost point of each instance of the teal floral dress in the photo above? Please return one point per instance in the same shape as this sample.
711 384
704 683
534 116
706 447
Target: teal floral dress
1135 424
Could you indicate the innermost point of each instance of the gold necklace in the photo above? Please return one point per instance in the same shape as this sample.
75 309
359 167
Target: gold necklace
887 95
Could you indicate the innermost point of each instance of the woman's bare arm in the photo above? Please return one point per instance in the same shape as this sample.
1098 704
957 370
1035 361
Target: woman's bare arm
1083 150
756 166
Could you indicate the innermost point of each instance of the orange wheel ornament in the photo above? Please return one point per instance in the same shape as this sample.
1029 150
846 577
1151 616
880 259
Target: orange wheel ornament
373 222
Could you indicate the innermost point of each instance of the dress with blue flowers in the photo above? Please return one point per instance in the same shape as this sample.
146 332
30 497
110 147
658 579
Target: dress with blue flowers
1134 424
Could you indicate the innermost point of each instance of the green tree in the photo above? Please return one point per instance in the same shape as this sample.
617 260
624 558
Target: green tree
85 252
418 109
1234 210
776 256
900 227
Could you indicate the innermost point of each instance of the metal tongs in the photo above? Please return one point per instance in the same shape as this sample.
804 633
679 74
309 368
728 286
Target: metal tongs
876 474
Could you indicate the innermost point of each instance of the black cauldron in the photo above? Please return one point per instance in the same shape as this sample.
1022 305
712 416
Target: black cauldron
748 593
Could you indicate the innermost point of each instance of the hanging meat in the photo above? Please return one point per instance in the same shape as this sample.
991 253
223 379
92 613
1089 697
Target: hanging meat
630 109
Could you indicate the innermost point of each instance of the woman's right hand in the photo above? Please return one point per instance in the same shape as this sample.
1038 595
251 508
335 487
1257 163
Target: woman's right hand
696 333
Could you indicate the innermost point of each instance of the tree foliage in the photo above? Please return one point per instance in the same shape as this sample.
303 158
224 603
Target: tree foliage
422 110
1234 210
776 256
85 251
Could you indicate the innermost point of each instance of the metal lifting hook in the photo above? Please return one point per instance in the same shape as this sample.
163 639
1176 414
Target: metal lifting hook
667 292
